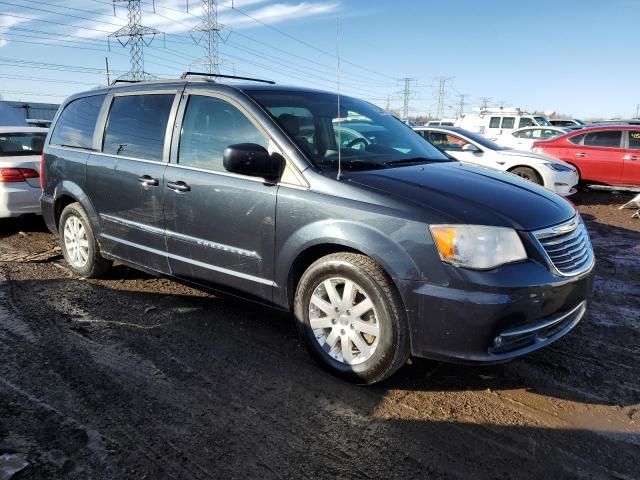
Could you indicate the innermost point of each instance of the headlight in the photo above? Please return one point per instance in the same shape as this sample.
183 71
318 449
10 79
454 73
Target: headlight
558 167
477 246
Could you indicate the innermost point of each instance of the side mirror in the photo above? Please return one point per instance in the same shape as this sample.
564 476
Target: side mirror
253 160
470 147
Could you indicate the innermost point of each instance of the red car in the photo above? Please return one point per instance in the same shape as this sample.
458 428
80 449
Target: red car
606 155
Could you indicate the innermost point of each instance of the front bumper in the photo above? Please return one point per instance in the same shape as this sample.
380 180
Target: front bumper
562 183
18 199
493 316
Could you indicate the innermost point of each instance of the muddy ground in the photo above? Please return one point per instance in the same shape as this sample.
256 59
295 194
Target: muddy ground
136 377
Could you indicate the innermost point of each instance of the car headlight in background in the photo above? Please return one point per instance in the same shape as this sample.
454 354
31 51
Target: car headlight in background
477 246
558 167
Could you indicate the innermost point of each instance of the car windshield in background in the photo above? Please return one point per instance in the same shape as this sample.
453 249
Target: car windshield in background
543 122
17 144
366 136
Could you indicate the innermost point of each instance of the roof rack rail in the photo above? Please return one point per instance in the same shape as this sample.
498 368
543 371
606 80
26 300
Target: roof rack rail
122 80
217 75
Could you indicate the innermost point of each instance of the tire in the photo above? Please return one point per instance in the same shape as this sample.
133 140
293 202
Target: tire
528 173
78 243
377 340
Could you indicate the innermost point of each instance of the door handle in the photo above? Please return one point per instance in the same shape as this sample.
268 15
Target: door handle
147 181
581 154
631 157
178 186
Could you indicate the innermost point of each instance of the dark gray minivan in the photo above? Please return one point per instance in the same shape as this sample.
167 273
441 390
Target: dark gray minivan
381 245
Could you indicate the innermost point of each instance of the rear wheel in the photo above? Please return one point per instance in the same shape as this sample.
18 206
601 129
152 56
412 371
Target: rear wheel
351 318
528 173
79 246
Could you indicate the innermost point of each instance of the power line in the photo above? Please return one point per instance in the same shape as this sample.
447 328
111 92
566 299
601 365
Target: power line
209 32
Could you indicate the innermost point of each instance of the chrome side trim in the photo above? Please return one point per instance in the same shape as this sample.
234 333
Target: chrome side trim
579 309
225 271
180 236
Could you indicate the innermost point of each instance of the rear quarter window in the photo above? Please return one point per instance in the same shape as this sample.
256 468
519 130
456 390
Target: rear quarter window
77 122
577 139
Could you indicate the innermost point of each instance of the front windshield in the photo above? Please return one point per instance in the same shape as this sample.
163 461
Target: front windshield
366 136
543 122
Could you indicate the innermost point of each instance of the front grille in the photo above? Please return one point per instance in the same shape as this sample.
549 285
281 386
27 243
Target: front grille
567 247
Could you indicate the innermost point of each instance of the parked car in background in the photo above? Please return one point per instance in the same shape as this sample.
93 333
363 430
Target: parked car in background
472 148
603 155
523 138
382 248
566 122
20 152
492 122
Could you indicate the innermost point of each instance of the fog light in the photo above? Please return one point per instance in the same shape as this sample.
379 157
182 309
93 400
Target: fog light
497 342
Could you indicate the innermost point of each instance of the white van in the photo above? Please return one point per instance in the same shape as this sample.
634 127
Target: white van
493 122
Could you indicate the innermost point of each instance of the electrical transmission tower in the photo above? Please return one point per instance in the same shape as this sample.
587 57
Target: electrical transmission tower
208 33
462 104
442 95
407 95
134 32
484 102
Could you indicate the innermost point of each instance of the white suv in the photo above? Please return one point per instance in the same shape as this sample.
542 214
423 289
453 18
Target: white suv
469 147
493 122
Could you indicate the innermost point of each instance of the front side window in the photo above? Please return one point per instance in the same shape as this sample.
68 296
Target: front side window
210 125
137 125
21 144
508 122
361 135
543 122
526 122
634 140
606 139
77 122
494 122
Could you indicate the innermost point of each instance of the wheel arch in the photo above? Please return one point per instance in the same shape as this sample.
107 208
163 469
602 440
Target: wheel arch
532 167
69 192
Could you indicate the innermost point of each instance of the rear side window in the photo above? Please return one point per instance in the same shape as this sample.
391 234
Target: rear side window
77 122
508 122
137 125
494 122
210 125
577 139
634 140
608 139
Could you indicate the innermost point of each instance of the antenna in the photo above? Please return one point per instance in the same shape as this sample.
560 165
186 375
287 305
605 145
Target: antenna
338 76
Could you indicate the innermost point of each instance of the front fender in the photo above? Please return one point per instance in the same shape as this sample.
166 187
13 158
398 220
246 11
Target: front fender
374 243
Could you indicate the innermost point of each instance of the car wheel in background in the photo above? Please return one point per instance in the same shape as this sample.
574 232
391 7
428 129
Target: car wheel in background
528 173
351 318
79 246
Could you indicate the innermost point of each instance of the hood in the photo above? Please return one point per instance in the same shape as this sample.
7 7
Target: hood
453 192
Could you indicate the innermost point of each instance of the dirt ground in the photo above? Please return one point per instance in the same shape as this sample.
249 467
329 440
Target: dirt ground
136 377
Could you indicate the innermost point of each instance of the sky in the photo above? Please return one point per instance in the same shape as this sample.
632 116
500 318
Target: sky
572 57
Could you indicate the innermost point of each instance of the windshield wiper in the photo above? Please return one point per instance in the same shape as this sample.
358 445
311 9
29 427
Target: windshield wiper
410 161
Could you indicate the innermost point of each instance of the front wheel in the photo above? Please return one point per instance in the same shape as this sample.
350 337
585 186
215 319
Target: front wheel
79 246
528 173
351 318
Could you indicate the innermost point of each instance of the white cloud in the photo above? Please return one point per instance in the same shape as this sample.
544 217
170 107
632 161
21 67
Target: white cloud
6 23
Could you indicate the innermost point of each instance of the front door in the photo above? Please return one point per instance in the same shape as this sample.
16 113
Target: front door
124 180
601 156
220 226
